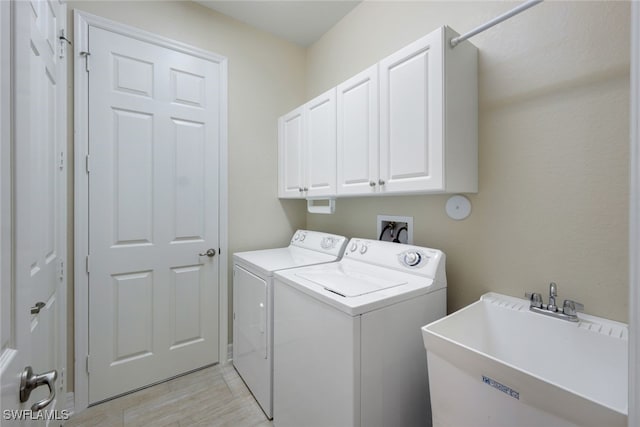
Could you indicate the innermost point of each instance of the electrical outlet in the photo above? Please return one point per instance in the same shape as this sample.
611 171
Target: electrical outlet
397 229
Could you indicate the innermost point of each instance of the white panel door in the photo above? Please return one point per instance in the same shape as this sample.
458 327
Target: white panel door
411 117
320 142
33 289
291 150
357 105
154 135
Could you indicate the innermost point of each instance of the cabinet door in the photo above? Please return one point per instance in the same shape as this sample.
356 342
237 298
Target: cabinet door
411 117
357 104
291 154
320 123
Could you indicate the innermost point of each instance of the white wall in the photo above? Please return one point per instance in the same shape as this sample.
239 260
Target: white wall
553 147
266 77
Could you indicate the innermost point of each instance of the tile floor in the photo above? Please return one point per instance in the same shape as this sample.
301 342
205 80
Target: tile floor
214 396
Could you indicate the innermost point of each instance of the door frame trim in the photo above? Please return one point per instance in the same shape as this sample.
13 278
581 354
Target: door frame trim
82 22
6 181
634 222
6 178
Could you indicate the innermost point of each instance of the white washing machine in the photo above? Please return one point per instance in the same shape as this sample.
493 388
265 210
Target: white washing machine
348 345
253 302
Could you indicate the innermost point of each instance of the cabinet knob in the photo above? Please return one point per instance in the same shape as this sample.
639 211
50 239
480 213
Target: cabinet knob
300 189
372 184
381 181
305 189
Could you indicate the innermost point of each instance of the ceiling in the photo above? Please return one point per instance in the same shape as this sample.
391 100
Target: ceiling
299 21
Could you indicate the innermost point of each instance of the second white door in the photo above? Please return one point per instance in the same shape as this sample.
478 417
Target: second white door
154 137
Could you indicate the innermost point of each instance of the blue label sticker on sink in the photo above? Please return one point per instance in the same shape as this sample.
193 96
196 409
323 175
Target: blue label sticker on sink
503 388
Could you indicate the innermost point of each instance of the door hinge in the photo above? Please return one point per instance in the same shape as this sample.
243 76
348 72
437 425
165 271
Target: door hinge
61 161
88 167
62 38
87 363
86 59
234 315
87 261
61 270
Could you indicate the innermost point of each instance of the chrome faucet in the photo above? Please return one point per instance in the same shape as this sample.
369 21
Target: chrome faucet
569 311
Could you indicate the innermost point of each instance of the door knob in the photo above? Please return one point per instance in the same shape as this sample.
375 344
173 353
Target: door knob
210 253
30 381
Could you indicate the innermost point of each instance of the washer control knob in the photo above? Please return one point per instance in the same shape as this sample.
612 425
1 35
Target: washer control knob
412 258
354 246
296 236
302 237
363 249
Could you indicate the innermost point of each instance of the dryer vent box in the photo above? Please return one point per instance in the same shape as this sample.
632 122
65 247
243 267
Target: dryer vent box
397 229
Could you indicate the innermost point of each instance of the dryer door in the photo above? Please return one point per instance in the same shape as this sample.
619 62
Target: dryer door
251 330
250 313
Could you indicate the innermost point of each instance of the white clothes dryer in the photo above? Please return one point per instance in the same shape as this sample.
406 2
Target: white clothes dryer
253 302
348 346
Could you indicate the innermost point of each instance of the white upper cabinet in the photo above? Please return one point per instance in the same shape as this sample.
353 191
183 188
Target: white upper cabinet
320 142
428 117
357 107
291 154
307 149
404 126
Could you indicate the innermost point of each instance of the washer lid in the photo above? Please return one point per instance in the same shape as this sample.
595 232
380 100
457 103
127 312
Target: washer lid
350 283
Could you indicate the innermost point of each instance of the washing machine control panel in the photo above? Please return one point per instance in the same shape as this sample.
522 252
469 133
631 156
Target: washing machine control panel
420 260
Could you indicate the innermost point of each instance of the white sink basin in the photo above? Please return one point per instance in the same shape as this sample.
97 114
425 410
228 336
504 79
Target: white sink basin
495 363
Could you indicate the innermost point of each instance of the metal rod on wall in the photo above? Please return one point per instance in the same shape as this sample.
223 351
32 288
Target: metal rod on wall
513 12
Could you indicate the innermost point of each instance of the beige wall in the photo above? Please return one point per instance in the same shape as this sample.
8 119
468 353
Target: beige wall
553 147
266 78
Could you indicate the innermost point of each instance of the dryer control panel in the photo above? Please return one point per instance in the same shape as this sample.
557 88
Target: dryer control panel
321 242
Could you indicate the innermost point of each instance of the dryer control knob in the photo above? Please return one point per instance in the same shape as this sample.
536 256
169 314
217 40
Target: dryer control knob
302 237
412 258
363 249
354 246
327 243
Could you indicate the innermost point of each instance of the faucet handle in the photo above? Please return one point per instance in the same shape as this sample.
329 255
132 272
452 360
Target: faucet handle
570 308
535 298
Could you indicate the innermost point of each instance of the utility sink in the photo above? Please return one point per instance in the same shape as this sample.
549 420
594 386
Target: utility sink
496 363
